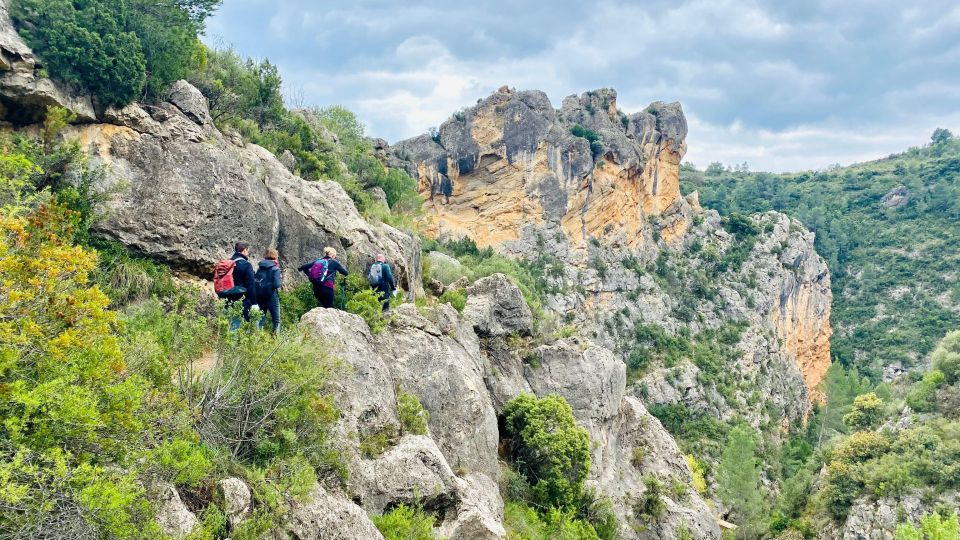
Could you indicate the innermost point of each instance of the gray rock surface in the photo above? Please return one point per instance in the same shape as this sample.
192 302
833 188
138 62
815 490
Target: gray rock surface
237 499
173 516
183 194
896 197
190 101
497 307
328 517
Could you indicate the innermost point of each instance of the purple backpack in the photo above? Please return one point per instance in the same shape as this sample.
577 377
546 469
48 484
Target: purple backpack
318 272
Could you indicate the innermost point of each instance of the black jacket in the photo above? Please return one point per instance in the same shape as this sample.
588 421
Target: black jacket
387 283
333 266
243 277
269 280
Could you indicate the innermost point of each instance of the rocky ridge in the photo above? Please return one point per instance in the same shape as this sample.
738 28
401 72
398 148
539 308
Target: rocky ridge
592 194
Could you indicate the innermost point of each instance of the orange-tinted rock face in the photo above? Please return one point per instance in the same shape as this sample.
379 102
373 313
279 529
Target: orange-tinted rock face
803 326
516 167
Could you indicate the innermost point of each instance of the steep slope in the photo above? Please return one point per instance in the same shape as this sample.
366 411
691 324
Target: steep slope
888 229
591 196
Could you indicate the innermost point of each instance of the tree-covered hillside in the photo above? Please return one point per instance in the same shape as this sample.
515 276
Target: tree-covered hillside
893 252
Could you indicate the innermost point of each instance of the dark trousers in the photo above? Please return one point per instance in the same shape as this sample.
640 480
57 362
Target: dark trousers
271 306
384 298
324 295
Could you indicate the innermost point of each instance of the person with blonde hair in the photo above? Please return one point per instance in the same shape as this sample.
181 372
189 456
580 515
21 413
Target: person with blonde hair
269 280
322 274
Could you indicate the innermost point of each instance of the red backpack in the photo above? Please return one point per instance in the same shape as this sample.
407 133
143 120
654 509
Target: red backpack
223 275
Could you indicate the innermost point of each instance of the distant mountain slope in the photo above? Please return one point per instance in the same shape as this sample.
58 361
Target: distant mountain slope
890 232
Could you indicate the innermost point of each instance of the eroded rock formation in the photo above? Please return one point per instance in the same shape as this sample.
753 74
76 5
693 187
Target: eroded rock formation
463 371
519 169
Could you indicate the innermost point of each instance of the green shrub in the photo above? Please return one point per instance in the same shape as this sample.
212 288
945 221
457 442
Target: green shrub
367 304
650 505
946 357
932 527
867 412
183 462
548 447
524 523
413 417
405 523
374 444
456 298
921 395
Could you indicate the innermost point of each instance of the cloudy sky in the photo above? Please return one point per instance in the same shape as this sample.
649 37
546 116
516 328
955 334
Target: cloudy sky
782 85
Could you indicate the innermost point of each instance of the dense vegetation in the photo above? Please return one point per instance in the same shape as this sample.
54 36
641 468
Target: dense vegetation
106 399
893 268
119 51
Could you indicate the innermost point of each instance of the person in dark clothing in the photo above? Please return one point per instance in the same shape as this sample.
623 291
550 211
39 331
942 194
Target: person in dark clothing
380 276
243 282
269 280
446 188
324 286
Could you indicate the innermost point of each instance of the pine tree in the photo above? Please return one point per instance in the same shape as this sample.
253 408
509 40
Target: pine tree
739 481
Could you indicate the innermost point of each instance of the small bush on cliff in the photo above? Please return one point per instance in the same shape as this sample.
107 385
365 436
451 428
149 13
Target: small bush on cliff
405 523
932 527
946 357
549 449
413 417
456 298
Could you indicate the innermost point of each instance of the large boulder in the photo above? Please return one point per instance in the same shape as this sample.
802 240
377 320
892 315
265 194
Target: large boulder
328 517
497 307
175 519
435 356
182 193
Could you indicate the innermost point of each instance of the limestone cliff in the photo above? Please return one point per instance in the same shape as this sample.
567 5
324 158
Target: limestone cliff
595 191
519 169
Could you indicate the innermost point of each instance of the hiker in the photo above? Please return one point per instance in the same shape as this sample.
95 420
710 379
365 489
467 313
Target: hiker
268 282
380 277
446 187
233 281
322 273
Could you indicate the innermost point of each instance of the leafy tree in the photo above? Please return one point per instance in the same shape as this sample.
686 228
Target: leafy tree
867 412
946 357
738 478
921 396
941 136
119 51
548 448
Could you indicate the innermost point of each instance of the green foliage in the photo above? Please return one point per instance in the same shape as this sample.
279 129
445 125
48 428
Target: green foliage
738 479
127 279
650 506
374 444
456 298
361 300
119 51
922 394
867 412
593 139
548 448
405 523
871 250
695 431
413 417
932 527
946 357
524 523
697 470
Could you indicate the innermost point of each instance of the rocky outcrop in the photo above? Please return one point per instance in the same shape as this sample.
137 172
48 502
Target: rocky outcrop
25 93
175 519
463 373
327 517
896 197
870 519
182 193
595 192
521 170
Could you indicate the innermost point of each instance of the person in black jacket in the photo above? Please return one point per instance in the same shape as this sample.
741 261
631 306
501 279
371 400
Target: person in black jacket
380 276
324 287
268 281
242 277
